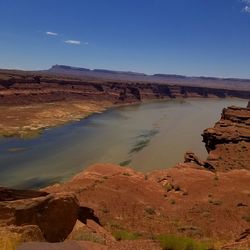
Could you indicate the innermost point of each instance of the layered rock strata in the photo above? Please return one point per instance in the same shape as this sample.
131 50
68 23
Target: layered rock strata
228 142
37 89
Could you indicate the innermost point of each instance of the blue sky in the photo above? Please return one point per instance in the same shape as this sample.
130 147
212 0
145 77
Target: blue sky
191 37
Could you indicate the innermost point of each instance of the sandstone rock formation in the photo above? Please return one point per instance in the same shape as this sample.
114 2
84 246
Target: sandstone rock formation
91 231
228 142
47 212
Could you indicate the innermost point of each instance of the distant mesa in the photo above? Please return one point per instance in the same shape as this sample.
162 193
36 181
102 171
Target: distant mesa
173 79
169 75
65 67
69 69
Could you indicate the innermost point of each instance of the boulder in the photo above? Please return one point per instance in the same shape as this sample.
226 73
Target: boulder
91 231
55 214
191 157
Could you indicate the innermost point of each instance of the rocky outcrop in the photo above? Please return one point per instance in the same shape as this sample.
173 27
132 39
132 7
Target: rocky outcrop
232 128
228 142
45 211
90 229
191 157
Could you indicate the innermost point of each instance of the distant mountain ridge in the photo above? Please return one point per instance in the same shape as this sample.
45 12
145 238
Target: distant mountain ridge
57 67
172 79
68 69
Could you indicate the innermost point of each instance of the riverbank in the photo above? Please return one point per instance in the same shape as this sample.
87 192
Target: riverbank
145 136
31 119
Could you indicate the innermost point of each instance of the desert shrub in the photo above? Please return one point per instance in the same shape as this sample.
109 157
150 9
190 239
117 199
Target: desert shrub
125 235
150 210
172 202
168 186
246 217
173 242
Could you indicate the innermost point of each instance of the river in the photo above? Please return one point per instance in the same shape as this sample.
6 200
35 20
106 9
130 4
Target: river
144 136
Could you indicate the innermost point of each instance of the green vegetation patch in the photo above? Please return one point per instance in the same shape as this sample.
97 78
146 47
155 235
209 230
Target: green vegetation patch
174 242
125 235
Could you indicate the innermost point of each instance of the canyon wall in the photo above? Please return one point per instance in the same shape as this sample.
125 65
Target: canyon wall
36 89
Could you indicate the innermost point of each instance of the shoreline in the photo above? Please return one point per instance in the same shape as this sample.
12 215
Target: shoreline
30 120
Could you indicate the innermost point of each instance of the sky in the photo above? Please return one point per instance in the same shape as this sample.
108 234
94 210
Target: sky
189 37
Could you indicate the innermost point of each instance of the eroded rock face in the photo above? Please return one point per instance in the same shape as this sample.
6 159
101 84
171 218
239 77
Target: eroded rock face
228 142
32 88
54 214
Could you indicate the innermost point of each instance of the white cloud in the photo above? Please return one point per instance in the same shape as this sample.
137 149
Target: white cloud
49 33
246 9
73 42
